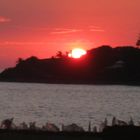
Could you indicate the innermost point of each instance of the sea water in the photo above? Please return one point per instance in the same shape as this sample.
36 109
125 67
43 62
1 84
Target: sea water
66 104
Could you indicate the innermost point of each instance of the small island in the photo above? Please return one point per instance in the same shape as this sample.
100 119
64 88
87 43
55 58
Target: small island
102 65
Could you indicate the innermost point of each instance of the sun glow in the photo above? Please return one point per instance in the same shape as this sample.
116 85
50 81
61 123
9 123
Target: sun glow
77 53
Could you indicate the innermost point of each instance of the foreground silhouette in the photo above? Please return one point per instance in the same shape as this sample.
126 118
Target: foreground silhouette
102 65
119 130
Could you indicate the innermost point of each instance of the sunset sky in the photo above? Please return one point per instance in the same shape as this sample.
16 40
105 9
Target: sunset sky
43 27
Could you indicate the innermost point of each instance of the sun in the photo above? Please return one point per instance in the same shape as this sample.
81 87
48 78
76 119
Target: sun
77 53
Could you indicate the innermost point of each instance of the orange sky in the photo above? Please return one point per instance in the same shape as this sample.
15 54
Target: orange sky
43 27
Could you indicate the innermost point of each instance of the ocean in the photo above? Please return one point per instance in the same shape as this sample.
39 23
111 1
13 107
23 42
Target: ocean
66 104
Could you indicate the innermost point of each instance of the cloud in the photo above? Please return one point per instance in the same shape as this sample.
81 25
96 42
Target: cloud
4 19
22 43
73 30
65 31
62 31
95 27
32 28
97 30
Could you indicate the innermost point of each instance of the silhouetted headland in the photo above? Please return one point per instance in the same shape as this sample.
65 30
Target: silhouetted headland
102 65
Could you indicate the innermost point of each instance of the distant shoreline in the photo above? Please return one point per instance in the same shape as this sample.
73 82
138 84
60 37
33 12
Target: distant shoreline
63 83
100 66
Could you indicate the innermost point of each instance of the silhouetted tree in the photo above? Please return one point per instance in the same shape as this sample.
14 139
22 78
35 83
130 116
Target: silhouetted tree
20 60
32 58
59 54
138 42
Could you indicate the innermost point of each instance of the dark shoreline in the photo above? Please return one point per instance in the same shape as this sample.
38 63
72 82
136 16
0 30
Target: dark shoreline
43 135
109 133
71 83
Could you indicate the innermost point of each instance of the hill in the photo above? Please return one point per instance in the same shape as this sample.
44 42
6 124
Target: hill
102 65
